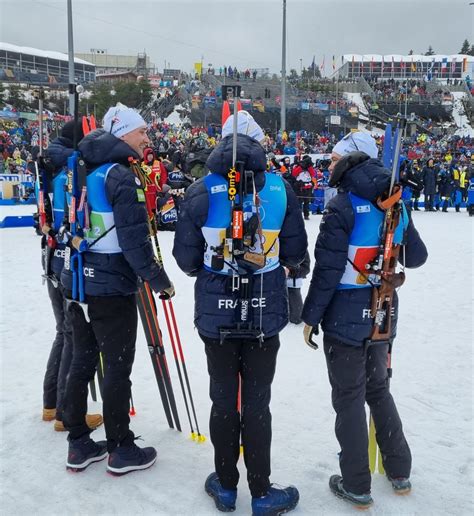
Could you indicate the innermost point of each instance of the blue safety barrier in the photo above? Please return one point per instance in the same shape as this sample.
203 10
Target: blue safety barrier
20 221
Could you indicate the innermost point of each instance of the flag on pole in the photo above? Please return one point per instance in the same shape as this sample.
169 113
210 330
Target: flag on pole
393 65
464 64
382 66
322 67
333 63
413 65
444 65
372 64
453 66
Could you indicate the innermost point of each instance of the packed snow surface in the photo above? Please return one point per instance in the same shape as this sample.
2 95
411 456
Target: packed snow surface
432 384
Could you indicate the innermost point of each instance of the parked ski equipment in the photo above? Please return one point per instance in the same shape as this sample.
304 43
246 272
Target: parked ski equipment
384 265
150 188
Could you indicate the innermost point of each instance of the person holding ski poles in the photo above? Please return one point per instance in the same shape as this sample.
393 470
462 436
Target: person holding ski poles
340 300
119 251
252 284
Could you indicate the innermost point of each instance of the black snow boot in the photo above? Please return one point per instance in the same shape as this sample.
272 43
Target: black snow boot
362 501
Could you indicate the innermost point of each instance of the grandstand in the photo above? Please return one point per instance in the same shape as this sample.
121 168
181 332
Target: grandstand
395 66
41 67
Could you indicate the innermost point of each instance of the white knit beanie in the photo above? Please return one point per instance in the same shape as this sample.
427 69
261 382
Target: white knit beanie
357 141
245 125
120 120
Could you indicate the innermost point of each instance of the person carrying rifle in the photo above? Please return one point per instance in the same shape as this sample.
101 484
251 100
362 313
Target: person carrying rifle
250 285
340 300
119 251
59 361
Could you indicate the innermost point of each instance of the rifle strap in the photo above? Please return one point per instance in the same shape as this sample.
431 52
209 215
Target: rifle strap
390 201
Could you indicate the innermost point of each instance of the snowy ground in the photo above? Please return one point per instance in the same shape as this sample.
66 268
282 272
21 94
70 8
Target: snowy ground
433 384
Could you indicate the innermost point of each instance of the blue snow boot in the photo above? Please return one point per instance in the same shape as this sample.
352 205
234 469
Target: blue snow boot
360 501
277 501
401 485
223 498
83 452
125 459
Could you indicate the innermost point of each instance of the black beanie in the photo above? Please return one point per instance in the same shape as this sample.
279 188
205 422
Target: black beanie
68 131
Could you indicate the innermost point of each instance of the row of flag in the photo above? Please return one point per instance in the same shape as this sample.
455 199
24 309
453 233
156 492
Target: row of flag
414 66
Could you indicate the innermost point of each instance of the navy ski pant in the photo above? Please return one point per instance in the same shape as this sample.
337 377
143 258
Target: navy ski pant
358 376
59 361
256 365
112 331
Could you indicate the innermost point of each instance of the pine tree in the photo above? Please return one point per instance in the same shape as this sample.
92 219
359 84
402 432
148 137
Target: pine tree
410 53
430 51
466 47
16 98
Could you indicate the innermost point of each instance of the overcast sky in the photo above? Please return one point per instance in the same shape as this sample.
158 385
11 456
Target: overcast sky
245 33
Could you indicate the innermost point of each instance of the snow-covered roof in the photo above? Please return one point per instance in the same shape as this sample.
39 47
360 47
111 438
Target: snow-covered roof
406 58
51 54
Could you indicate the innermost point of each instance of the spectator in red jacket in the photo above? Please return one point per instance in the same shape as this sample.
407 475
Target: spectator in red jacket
305 179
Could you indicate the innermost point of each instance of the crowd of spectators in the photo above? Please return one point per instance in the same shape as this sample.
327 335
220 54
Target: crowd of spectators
449 160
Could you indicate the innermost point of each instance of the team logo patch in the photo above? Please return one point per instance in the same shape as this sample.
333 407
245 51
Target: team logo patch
141 195
363 209
218 189
138 181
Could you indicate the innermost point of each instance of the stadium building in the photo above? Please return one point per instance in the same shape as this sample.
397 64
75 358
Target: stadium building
106 63
395 66
41 67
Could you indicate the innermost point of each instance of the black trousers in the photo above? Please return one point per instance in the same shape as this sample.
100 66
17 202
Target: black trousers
305 197
429 199
112 331
256 365
358 376
59 361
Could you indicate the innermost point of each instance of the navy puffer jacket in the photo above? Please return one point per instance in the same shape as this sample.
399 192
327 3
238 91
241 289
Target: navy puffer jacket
116 274
343 313
189 247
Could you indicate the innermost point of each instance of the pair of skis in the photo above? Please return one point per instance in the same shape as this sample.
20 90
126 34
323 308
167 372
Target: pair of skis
387 261
149 316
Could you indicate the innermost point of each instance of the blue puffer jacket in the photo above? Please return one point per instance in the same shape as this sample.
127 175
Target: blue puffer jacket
343 314
189 247
116 274
56 156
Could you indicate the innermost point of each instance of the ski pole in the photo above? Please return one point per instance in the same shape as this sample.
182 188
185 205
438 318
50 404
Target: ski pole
200 437
178 368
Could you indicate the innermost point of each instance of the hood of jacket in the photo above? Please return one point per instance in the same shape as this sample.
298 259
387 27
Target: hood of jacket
369 180
249 151
100 147
59 151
